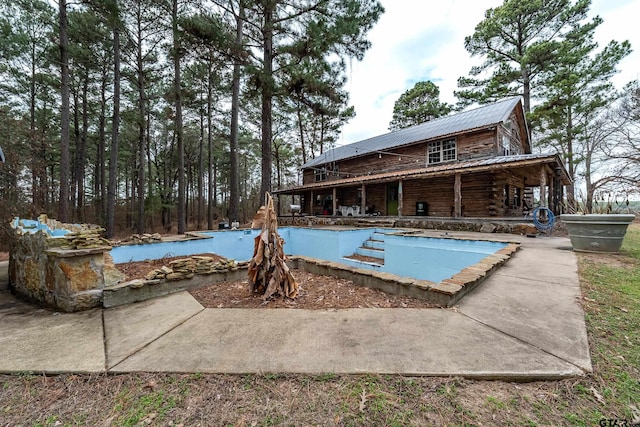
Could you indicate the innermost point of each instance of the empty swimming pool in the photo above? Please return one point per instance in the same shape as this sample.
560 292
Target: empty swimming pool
404 254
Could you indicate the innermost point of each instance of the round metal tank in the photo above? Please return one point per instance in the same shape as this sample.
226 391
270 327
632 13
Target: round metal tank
597 232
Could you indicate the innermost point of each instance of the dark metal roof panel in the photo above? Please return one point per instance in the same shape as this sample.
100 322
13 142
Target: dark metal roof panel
477 118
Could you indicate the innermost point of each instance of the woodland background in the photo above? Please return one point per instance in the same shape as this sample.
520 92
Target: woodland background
168 115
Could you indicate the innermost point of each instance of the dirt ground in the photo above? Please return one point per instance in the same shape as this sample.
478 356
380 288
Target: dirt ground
314 292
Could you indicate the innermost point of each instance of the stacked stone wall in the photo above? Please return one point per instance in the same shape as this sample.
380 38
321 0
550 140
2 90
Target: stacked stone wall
63 273
467 224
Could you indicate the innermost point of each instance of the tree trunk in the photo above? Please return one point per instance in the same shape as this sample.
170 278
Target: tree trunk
177 81
151 213
234 185
32 128
200 190
115 128
210 169
588 203
321 133
81 153
76 142
101 184
63 207
571 195
301 129
267 98
142 146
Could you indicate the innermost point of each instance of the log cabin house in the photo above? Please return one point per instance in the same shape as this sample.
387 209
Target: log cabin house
476 163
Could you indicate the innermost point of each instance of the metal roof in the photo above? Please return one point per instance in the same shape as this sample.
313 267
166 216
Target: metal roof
443 169
477 118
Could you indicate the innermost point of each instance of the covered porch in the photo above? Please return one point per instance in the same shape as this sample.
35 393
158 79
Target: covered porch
497 187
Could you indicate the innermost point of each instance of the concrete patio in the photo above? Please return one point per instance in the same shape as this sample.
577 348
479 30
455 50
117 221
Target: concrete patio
524 322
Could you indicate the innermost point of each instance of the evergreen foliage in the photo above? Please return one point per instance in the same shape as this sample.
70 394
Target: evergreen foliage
418 105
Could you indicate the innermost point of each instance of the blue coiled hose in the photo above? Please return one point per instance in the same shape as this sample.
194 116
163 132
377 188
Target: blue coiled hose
543 226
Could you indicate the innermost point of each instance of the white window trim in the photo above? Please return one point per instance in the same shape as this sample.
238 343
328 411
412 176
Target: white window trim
442 151
320 174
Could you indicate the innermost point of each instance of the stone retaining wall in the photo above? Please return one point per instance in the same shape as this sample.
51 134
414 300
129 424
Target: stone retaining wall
486 225
141 290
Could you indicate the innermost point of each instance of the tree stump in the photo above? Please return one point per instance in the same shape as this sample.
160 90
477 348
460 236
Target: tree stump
269 274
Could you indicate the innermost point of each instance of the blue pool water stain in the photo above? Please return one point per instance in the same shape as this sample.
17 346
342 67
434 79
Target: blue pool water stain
418 257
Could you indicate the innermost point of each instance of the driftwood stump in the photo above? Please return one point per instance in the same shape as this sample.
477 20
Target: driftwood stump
269 274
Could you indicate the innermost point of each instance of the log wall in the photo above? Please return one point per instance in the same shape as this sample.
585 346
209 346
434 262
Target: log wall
477 145
377 197
437 192
470 146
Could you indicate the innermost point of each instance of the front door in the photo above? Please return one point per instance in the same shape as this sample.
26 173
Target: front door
392 199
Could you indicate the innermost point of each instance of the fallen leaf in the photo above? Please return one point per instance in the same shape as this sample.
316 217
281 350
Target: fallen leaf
149 418
596 394
363 401
636 414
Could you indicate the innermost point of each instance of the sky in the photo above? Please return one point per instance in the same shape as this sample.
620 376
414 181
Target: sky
419 40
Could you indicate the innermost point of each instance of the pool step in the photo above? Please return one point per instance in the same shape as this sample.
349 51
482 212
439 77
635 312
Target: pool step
377 236
373 247
374 244
370 252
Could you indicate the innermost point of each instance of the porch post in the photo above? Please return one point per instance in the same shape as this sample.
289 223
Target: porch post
311 203
457 196
334 201
543 187
550 195
400 202
363 201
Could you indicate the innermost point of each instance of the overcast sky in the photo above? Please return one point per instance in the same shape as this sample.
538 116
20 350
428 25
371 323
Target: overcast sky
418 40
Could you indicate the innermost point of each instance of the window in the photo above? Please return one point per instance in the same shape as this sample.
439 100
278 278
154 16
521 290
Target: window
510 142
506 146
441 151
507 195
321 174
517 200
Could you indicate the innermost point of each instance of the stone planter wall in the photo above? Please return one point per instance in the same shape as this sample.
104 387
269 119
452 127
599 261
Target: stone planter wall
63 273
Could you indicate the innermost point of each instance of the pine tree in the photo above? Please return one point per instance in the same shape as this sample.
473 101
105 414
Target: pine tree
574 92
517 41
418 105
307 28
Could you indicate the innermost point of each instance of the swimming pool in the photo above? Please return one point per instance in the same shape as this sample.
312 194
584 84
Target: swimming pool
408 255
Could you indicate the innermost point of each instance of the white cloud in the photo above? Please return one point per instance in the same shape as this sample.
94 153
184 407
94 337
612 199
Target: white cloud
416 41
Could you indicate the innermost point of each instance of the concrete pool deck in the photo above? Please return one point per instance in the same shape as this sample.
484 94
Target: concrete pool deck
524 322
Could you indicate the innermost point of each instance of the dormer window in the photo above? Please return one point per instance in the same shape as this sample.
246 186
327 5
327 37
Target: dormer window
321 174
441 151
506 145
509 146
509 141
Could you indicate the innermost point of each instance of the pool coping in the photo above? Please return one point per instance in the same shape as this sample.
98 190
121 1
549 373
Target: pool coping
444 293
